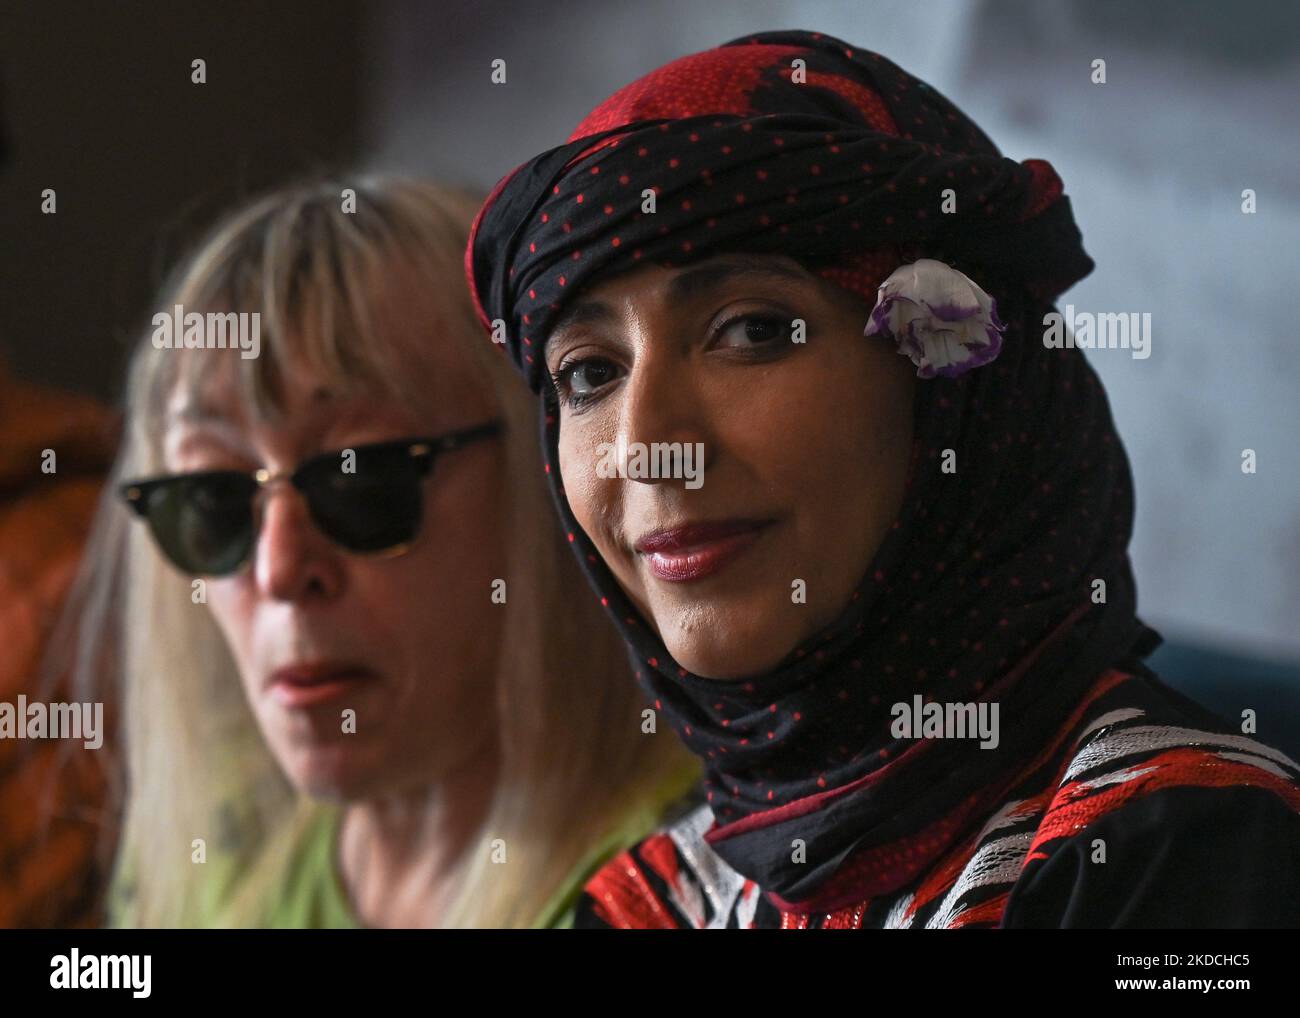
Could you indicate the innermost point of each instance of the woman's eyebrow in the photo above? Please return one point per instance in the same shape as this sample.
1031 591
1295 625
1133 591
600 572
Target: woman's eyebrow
686 285
589 312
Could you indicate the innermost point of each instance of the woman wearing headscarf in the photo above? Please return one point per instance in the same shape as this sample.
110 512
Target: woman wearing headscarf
886 599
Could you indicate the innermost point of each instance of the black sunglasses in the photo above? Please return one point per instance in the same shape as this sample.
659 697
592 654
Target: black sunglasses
206 522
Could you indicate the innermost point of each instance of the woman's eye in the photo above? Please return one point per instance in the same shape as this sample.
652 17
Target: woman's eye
753 330
578 380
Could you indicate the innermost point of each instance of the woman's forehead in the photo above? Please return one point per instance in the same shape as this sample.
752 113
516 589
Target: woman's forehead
688 277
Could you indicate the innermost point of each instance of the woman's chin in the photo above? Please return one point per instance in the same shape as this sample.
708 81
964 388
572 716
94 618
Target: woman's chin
331 773
732 639
738 657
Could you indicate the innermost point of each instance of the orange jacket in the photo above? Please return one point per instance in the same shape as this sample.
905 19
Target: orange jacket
48 877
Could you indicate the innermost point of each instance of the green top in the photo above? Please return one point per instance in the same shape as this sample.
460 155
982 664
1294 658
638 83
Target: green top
312 895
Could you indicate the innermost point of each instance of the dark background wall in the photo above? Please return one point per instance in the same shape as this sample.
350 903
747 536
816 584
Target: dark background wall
98 105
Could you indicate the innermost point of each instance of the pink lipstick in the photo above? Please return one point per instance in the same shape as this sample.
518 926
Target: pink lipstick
696 550
309 683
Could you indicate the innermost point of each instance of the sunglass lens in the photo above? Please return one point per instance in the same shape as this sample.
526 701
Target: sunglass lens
204 524
373 507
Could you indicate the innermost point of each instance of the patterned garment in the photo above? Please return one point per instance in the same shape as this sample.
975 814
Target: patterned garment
1149 813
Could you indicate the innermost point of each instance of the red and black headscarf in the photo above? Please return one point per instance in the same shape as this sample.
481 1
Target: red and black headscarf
984 589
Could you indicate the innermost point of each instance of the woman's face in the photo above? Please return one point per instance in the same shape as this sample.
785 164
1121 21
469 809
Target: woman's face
805 446
406 642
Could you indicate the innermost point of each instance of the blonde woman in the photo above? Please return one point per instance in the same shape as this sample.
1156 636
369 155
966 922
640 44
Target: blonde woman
357 688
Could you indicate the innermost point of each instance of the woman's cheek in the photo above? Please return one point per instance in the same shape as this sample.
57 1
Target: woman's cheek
231 610
578 456
779 427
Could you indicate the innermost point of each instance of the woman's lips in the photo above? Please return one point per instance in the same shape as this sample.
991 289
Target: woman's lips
697 550
305 685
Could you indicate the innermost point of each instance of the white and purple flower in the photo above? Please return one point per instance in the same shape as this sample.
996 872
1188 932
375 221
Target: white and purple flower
938 317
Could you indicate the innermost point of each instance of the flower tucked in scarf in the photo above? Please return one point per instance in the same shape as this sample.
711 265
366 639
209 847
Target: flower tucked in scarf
938 317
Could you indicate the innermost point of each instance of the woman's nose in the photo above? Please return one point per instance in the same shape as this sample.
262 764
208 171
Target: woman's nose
664 420
292 557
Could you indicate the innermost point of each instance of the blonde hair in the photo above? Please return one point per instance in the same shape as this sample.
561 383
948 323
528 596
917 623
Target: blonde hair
573 756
